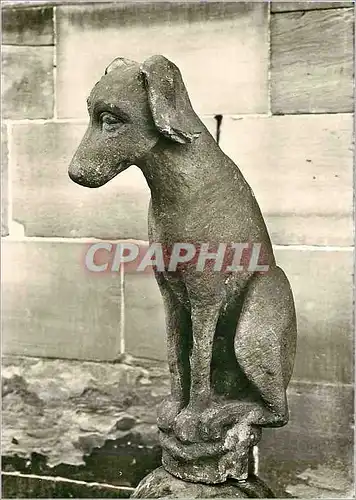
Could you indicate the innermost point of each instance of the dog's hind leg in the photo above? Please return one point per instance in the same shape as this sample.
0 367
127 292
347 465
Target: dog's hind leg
265 344
265 341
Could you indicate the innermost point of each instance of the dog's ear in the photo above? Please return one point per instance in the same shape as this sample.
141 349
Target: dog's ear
119 62
168 99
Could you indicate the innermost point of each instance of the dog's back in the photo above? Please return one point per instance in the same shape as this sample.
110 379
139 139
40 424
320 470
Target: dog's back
205 198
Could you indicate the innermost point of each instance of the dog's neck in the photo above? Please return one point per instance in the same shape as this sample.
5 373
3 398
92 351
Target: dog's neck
174 171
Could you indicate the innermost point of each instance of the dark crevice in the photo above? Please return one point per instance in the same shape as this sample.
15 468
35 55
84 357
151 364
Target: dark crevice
331 7
119 462
219 119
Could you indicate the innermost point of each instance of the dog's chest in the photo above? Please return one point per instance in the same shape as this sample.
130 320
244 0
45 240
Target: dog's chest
189 225
168 226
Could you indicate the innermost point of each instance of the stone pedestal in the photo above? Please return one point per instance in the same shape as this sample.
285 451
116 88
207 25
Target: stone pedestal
161 484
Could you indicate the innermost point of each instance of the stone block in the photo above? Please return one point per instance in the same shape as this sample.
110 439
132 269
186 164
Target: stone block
56 206
300 169
48 203
312 61
220 48
321 281
145 335
54 307
27 26
27 82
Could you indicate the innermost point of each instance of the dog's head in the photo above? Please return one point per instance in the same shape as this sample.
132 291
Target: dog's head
130 108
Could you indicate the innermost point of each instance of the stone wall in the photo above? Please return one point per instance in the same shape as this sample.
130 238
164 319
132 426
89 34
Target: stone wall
281 76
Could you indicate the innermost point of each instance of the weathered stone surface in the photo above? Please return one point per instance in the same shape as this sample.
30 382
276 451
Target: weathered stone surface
302 6
145 332
312 61
81 414
307 491
313 454
27 26
211 461
318 436
185 31
161 484
300 169
121 462
20 486
322 286
4 182
55 206
65 310
27 88
327 478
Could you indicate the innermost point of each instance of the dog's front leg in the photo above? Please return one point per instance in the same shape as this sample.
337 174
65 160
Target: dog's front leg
204 319
178 333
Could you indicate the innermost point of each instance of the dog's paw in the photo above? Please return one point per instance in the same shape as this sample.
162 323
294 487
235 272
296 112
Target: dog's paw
216 420
167 411
186 426
212 424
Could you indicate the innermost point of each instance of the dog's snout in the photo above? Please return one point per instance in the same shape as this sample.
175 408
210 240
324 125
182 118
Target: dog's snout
74 173
87 174
79 178
78 175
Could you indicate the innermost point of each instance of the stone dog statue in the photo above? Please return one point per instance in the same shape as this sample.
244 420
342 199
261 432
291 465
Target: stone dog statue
231 336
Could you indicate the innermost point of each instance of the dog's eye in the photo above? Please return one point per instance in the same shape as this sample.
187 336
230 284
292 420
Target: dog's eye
109 122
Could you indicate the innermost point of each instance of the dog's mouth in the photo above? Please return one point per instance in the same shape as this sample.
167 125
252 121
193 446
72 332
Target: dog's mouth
95 178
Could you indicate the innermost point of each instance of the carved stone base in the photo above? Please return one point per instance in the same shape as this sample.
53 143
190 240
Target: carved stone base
161 484
210 470
211 461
